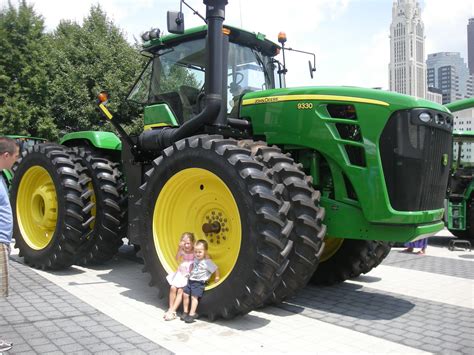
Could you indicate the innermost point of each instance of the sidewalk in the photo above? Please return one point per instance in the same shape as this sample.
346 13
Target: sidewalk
40 317
409 304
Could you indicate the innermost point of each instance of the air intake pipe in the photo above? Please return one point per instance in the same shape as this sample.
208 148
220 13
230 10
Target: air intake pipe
154 140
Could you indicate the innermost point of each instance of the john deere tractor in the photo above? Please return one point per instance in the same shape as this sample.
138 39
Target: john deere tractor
24 142
277 180
460 213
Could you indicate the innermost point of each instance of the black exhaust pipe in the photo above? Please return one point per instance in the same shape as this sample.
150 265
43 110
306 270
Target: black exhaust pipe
153 140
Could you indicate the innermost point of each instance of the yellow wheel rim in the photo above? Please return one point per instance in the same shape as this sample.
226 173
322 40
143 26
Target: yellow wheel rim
90 186
191 200
37 207
331 246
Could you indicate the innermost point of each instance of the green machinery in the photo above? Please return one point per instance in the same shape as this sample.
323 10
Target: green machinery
277 180
460 216
24 142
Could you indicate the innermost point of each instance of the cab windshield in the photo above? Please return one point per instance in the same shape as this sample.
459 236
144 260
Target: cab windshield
176 76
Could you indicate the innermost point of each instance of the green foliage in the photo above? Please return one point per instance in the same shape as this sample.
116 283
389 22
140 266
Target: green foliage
24 69
49 82
88 59
176 77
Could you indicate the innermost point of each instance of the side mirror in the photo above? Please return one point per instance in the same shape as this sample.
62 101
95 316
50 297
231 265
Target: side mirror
175 22
311 69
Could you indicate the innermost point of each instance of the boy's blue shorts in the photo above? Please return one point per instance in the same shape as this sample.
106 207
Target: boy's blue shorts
195 288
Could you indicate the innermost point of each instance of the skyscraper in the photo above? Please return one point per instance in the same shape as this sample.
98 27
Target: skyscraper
407 68
448 72
470 45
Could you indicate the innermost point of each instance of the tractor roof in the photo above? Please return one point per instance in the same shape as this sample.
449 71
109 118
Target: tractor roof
250 39
464 136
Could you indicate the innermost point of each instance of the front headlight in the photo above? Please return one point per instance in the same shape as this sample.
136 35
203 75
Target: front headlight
425 117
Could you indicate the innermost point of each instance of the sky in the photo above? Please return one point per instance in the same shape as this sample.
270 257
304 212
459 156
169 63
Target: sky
350 37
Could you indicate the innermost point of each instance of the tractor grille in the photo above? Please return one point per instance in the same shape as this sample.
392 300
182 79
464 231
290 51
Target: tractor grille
416 157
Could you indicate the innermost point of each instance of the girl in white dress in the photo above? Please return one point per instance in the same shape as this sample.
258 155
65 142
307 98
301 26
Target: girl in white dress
179 279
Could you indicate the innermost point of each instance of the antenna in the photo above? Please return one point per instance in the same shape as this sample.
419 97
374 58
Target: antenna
240 10
194 11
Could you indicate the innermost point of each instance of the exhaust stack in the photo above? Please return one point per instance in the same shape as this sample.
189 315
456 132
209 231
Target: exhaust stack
214 110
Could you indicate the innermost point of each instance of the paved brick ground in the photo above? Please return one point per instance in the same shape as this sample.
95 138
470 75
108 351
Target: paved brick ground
433 264
418 323
41 318
111 310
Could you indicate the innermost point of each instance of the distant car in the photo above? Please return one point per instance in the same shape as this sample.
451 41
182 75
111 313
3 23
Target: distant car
24 142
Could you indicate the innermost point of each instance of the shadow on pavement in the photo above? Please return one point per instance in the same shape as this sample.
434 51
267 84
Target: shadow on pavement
466 256
368 279
246 322
66 272
349 300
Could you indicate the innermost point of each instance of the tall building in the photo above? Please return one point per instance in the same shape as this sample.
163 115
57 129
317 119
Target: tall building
407 68
470 45
434 94
448 72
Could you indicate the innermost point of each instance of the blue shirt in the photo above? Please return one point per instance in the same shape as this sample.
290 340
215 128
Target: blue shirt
6 217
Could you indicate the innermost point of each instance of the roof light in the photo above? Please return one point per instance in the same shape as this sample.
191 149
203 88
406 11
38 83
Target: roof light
282 37
103 97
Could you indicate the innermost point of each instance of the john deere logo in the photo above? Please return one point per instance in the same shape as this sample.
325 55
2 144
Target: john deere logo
444 160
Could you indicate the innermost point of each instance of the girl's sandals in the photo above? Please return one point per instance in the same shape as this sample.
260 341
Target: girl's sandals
170 316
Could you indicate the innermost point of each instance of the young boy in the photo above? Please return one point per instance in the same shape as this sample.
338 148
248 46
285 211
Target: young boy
201 272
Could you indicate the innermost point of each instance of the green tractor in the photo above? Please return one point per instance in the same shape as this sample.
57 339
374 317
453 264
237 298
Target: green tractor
24 142
460 197
277 180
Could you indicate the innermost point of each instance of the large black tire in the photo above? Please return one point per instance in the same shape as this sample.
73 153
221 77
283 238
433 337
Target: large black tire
305 213
51 206
353 258
110 223
263 245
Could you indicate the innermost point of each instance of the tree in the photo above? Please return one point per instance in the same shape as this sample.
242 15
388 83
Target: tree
24 72
88 59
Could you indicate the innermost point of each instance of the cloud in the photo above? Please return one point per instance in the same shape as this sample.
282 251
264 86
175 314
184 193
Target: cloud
445 25
349 37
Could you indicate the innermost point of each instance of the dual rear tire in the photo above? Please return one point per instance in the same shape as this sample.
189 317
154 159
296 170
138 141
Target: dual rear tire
210 186
68 206
51 206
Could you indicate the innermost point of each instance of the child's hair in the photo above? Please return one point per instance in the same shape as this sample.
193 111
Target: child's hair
188 235
203 243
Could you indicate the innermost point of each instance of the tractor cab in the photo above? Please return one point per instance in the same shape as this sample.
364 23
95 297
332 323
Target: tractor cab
462 174
459 212
172 84
462 148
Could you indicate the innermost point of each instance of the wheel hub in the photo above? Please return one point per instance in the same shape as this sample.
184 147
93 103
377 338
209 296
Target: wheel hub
44 206
216 227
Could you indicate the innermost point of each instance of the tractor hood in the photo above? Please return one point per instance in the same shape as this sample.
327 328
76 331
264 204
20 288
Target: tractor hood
391 100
